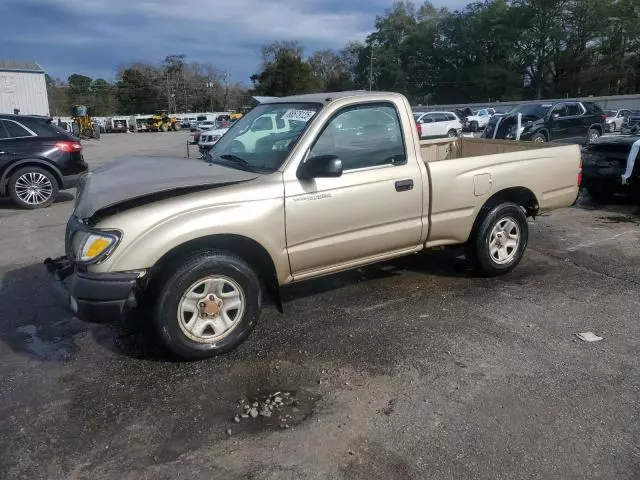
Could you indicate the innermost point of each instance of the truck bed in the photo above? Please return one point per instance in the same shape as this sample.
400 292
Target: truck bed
451 148
466 172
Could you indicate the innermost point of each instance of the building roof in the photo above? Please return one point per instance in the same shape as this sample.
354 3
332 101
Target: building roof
20 66
328 97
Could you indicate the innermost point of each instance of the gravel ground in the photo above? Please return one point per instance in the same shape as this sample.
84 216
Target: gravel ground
412 369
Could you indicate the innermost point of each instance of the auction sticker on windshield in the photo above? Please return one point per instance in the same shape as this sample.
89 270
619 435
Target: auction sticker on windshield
299 115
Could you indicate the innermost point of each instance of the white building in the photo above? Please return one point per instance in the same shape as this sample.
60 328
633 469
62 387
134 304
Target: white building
23 87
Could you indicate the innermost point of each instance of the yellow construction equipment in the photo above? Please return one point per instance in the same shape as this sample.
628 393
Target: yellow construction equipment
162 122
84 127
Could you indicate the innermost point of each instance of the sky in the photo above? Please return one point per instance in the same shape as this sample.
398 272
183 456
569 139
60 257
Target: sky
95 37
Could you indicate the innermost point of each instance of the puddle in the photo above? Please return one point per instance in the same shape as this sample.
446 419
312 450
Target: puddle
41 349
277 410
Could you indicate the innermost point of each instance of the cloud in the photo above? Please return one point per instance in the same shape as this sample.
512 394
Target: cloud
94 37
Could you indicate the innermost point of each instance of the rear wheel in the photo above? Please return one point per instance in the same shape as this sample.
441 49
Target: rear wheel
33 187
593 134
164 127
177 127
452 133
538 138
499 240
208 305
473 126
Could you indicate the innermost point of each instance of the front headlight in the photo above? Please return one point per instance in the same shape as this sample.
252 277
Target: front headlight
92 246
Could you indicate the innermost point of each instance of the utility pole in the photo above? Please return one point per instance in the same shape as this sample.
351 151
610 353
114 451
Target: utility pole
168 97
371 70
184 84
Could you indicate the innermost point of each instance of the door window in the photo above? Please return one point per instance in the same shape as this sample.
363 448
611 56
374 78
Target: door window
573 109
427 119
451 117
15 130
3 132
363 136
560 110
440 117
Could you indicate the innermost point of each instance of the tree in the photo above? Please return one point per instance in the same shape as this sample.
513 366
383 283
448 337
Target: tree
79 89
138 90
284 73
330 71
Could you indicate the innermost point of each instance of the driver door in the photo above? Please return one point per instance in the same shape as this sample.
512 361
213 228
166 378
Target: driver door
374 209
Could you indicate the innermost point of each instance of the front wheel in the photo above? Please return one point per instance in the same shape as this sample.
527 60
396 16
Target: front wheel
177 127
208 305
33 187
452 133
474 127
593 134
499 240
538 138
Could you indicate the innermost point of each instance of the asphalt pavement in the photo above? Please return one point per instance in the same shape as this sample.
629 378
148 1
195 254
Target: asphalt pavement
412 369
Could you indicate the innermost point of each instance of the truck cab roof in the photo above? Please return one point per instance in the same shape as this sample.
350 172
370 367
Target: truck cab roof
328 97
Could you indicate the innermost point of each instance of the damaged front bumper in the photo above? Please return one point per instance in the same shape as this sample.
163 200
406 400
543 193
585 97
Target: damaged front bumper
98 297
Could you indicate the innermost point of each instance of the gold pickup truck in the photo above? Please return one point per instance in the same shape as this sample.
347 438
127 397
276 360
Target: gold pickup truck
298 188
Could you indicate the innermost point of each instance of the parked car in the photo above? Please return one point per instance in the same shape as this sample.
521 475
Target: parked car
438 124
567 122
209 138
37 159
615 119
479 119
611 165
205 243
631 124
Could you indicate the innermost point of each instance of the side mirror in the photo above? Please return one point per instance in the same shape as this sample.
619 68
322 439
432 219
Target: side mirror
555 115
321 166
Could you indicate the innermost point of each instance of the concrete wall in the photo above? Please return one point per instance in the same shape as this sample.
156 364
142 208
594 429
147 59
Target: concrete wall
24 90
616 102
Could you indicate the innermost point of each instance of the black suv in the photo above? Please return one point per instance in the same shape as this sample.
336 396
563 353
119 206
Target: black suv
37 158
567 122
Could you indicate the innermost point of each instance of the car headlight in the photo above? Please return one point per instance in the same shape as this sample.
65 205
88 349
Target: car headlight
91 246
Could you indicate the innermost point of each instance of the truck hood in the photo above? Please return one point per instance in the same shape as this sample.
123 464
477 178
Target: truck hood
136 178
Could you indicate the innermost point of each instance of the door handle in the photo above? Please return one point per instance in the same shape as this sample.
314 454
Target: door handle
404 185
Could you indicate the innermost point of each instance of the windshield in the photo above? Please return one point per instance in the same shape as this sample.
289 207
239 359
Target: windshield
263 138
538 110
611 113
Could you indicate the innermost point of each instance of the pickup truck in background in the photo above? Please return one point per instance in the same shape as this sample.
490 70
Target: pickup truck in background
344 182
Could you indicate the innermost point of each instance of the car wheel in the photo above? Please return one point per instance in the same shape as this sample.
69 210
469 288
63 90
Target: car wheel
452 133
208 305
164 127
539 138
177 127
499 240
473 126
33 187
593 134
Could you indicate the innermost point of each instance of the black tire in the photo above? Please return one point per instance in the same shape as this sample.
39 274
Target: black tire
593 134
15 196
452 133
473 126
538 137
177 127
478 247
198 266
164 127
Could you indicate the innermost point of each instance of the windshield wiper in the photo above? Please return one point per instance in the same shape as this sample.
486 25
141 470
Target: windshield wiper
235 159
